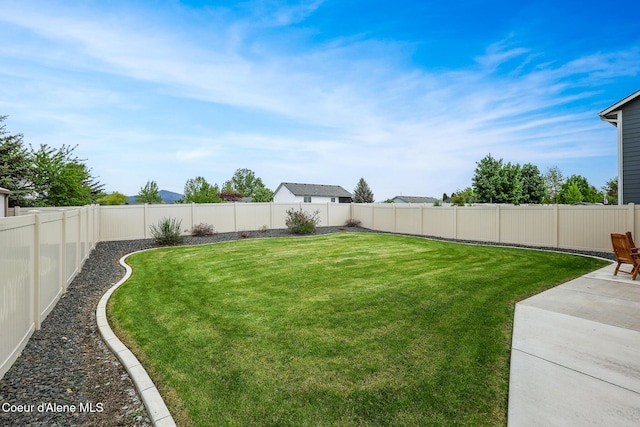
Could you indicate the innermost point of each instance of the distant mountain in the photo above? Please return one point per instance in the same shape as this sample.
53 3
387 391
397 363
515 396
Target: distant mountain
167 197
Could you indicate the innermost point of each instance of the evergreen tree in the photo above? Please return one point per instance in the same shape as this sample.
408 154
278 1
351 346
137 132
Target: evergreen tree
16 171
362 193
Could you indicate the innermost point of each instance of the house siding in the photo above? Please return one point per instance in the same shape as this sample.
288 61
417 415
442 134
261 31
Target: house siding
631 152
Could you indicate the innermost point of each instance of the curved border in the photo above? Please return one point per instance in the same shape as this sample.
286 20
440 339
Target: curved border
157 409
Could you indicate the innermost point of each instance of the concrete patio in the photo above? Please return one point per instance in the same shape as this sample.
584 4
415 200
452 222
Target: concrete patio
575 358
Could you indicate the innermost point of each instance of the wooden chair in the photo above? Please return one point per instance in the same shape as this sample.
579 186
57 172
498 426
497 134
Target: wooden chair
624 255
632 245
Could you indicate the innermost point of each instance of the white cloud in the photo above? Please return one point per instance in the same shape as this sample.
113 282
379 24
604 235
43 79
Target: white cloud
329 111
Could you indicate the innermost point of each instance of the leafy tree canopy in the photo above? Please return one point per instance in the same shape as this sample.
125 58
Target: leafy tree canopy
497 182
577 189
114 198
198 190
149 193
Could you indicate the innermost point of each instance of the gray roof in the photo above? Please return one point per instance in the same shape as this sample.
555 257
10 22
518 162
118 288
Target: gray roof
615 107
410 199
317 190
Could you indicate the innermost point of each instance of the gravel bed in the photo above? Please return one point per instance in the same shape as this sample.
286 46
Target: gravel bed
66 364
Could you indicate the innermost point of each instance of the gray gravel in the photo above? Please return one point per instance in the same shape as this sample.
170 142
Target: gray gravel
67 363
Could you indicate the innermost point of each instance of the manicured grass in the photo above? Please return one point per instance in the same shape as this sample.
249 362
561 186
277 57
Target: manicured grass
335 330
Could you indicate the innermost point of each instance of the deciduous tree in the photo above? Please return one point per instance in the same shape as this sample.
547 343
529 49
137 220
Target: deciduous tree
61 179
149 193
198 190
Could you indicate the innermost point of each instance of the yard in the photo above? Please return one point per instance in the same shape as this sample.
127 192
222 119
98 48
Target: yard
341 329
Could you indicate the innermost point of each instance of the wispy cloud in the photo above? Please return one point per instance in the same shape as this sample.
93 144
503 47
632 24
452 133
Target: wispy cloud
328 108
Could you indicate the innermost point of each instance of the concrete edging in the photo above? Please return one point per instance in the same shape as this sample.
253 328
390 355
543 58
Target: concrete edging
157 409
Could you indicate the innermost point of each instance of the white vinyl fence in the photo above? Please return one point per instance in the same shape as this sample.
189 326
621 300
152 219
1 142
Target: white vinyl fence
555 226
41 252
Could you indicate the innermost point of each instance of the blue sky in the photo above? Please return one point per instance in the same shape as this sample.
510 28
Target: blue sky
408 95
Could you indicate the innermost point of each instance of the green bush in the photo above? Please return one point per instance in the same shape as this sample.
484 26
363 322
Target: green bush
300 222
202 229
167 232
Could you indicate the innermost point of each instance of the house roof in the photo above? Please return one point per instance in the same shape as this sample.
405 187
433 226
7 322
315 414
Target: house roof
412 199
316 190
5 191
607 113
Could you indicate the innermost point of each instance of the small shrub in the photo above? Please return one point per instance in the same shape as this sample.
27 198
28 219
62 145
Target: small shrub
300 222
352 222
264 228
202 229
244 234
167 231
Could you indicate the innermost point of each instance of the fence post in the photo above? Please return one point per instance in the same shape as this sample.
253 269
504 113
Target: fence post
79 243
455 221
145 221
193 215
556 226
63 266
497 223
631 218
36 271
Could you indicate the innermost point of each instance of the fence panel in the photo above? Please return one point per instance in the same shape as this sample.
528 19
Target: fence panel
408 219
122 222
439 221
72 237
17 266
528 225
476 223
384 217
51 279
590 227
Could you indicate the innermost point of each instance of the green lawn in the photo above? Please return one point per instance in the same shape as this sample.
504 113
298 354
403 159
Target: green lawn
335 330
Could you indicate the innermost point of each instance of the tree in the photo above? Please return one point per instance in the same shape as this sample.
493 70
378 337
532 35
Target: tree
262 194
245 182
553 180
488 180
588 192
571 194
610 191
464 197
149 193
16 171
198 190
512 188
533 188
362 193
59 179
114 198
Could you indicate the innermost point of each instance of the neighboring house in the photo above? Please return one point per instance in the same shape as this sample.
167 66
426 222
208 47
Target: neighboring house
311 193
409 199
4 202
625 115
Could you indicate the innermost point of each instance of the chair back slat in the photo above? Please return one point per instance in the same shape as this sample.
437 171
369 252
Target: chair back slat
622 249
